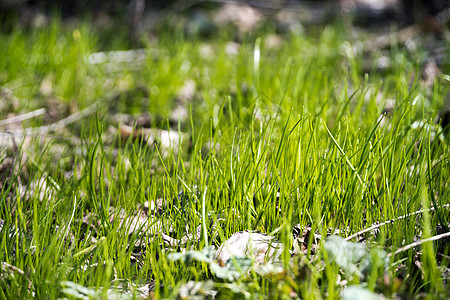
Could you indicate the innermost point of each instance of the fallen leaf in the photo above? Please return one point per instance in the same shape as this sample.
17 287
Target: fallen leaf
358 292
197 290
258 246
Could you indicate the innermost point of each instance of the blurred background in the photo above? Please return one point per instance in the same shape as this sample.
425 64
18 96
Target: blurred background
38 29
134 17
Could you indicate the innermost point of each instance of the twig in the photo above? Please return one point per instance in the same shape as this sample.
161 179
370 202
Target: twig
169 240
392 221
57 125
5 266
23 117
74 140
420 242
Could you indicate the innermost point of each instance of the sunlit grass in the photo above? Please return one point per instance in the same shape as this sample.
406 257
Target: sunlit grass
272 138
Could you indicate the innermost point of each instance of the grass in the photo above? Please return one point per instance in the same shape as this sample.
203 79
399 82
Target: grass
272 138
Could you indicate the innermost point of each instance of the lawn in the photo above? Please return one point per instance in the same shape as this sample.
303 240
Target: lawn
123 172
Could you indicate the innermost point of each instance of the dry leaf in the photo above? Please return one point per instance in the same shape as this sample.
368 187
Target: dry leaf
258 246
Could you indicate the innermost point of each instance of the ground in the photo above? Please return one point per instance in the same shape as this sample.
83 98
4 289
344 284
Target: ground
218 160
